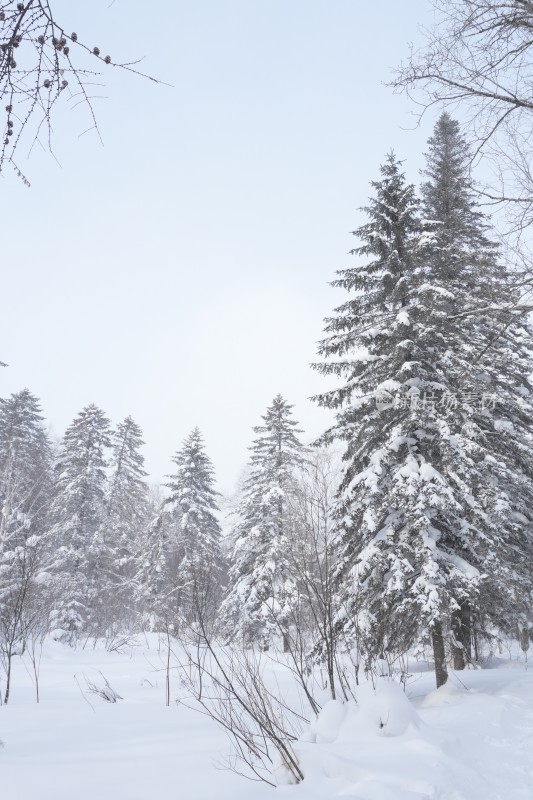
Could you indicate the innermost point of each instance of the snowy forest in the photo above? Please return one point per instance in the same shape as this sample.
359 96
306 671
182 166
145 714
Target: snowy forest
401 536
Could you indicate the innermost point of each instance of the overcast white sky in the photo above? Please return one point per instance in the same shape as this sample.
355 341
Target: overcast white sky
179 273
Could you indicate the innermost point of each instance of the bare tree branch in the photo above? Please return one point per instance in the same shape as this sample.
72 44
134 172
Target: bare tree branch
41 67
478 58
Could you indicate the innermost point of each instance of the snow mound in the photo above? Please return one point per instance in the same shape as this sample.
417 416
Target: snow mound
384 710
328 723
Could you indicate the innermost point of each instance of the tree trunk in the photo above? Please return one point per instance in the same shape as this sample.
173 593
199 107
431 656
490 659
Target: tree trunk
331 672
439 653
476 647
9 658
458 653
466 628
462 636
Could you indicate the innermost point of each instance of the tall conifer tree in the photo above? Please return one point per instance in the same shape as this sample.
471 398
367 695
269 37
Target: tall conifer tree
126 518
79 511
192 504
263 591
418 513
25 486
25 463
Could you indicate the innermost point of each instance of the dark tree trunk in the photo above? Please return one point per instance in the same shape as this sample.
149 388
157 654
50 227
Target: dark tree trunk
9 659
458 653
476 648
331 670
466 627
439 653
462 637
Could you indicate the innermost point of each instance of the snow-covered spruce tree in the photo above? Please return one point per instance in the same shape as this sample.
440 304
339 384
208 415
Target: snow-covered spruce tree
491 347
263 590
25 463
126 519
371 339
79 509
192 506
157 566
420 529
25 484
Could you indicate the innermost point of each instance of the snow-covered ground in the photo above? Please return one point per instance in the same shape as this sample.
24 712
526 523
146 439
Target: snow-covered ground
470 740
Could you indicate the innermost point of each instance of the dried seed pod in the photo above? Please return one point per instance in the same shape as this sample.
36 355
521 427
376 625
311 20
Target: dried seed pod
47 84
9 109
66 50
96 51
20 6
107 59
74 37
41 39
